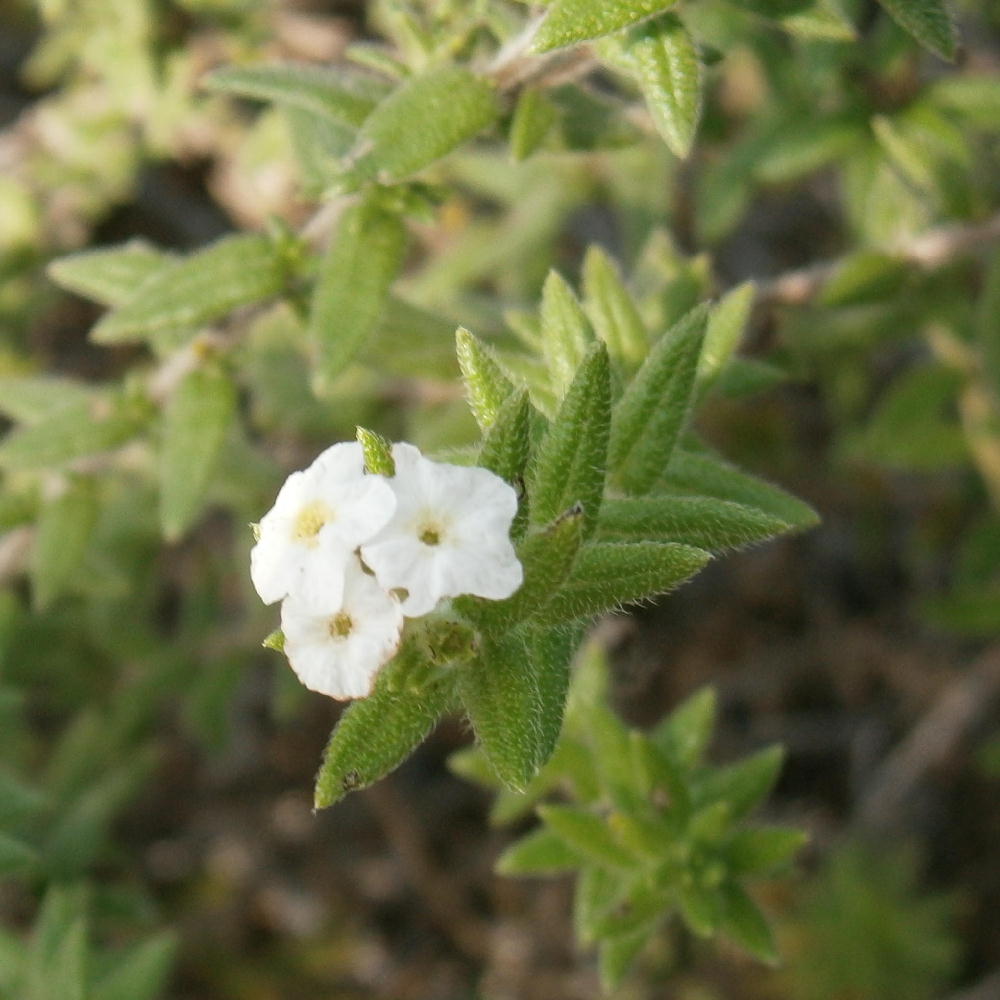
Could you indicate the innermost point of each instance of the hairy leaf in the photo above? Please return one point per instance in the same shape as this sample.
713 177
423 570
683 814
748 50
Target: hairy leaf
927 21
376 734
486 385
355 275
611 309
668 69
341 92
653 410
110 275
608 575
570 21
195 422
565 332
198 289
569 466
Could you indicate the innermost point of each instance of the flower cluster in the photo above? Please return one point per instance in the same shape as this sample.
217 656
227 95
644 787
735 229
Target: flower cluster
352 554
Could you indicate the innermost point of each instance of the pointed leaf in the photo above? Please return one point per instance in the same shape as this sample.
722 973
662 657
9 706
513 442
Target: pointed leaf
705 522
569 465
541 852
74 431
764 849
424 119
64 529
611 309
195 422
27 399
355 275
318 143
744 924
499 690
617 955
668 69
141 973
378 453
598 890
376 734
745 784
565 332
570 21
608 575
110 275
16 857
726 323
588 835
706 473
534 116
684 734
341 92
199 289
928 21
506 445
485 383
653 410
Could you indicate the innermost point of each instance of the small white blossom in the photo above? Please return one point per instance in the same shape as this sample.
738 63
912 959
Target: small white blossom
339 653
450 534
319 518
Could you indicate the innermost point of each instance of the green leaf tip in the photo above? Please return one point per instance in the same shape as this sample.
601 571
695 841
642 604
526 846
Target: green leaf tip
275 640
378 453
486 385
571 21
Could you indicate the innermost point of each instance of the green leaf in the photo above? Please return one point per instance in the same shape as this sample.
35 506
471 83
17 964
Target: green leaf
541 852
565 333
745 784
598 890
927 21
700 907
486 386
65 527
569 466
668 69
865 276
18 801
424 119
500 692
378 453
56 967
617 954
704 522
588 835
570 21
376 734
608 575
27 399
763 850
195 422
610 307
649 418
534 116
684 734
110 275
318 144
724 331
706 473
506 445
341 92
16 857
822 19
744 924
140 974
972 610
74 431
196 290
355 275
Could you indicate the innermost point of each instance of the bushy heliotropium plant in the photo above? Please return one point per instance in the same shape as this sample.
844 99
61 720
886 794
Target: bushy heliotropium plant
448 172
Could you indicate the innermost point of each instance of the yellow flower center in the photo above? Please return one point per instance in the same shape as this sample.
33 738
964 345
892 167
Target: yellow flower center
340 625
309 521
430 536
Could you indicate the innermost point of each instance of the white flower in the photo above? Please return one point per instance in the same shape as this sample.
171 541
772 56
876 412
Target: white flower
450 534
319 518
339 653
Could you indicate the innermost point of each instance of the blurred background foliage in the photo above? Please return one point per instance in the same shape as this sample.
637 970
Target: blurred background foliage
156 837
